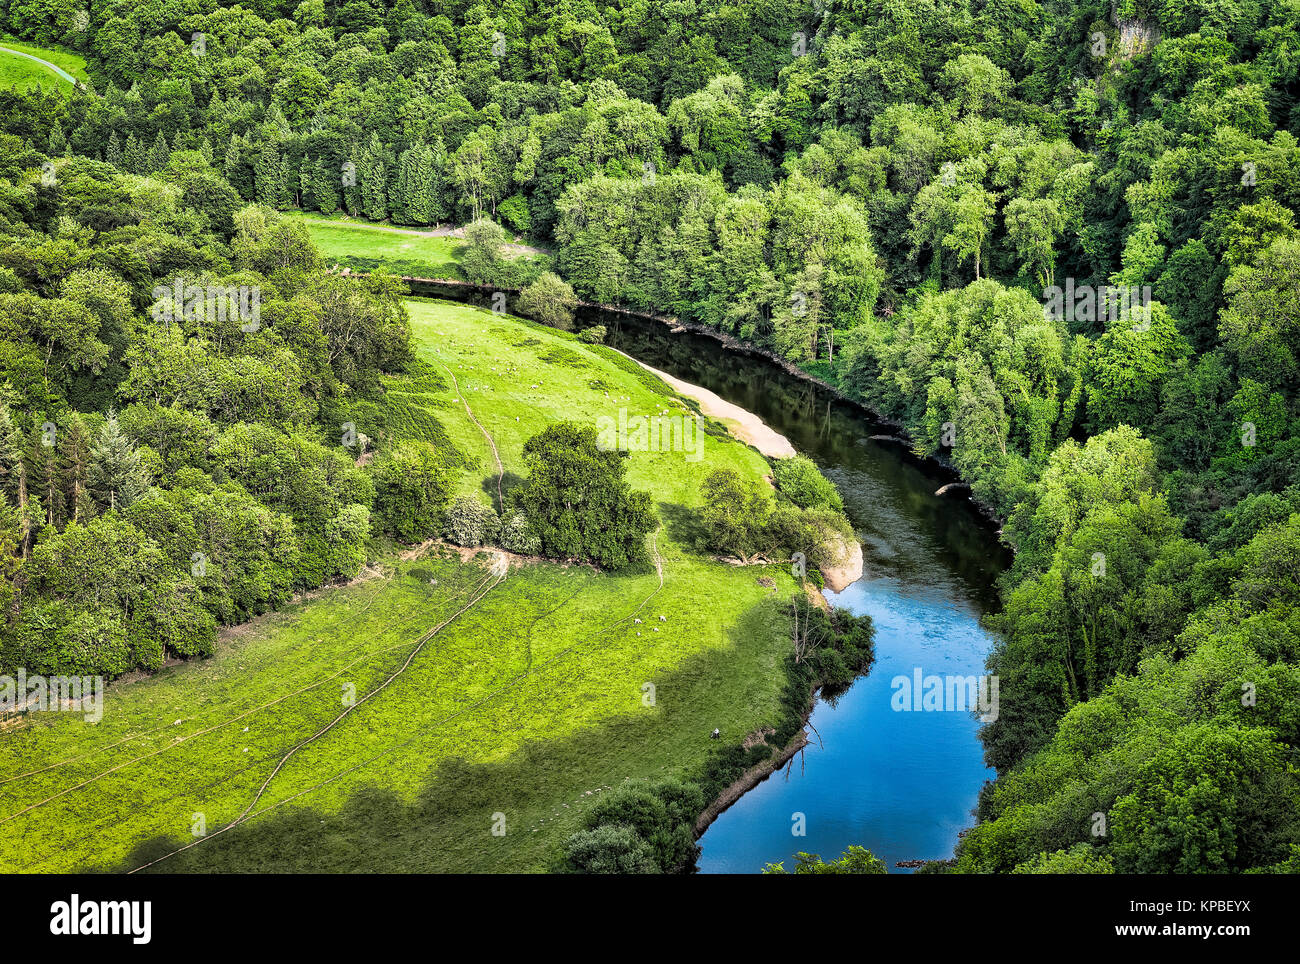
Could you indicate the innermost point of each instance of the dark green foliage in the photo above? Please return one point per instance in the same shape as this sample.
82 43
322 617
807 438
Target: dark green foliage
800 481
470 523
639 827
577 502
412 489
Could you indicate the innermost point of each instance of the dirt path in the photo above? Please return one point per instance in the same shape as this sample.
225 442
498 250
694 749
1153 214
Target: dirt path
500 569
45 63
501 469
746 426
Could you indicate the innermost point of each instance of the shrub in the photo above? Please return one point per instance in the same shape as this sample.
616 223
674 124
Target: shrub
800 481
610 849
854 860
593 336
471 523
647 827
518 536
550 300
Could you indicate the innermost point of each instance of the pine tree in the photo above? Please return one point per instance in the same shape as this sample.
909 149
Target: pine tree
424 189
399 201
373 179
442 202
324 194
158 154
11 460
134 155
43 474
305 199
74 469
350 180
13 479
205 149
268 174
233 166
114 153
116 475
58 142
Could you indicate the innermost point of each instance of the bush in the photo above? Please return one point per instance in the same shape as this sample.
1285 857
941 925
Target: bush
854 860
594 335
610 849
470 523
645 827
550 300
800 481
518 536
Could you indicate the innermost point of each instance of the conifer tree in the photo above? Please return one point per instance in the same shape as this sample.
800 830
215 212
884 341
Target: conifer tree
74 469
268 175
324 194
114 153
134 155
43 472
158 154
350 182
373 180
116 475
58 141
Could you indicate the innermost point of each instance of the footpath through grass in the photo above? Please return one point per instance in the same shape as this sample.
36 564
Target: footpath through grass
530 704
24 72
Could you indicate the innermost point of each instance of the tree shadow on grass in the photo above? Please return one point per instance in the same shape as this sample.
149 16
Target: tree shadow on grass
448 826
682 524
509 481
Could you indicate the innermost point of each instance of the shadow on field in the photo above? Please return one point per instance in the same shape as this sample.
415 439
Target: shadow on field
682 524
448 827
508 481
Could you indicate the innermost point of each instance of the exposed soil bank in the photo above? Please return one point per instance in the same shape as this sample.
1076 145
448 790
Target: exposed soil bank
746 426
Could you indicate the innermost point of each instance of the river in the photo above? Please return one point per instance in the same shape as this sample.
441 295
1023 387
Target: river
902 784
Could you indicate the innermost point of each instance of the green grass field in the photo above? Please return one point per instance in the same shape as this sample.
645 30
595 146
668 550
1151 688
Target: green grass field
25 73
364 247
529 703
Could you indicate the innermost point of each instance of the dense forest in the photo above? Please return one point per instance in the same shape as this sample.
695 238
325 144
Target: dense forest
893 194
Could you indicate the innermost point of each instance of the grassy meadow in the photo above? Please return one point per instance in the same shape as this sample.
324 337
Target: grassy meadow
25 73
364 247
528 704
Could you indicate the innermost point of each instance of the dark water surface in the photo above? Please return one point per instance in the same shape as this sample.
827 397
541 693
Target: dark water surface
902 784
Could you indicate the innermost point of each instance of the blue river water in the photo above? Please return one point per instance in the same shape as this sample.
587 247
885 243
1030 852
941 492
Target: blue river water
902 784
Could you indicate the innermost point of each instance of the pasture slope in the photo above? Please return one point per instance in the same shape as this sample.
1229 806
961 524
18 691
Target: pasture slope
25 65
527 700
